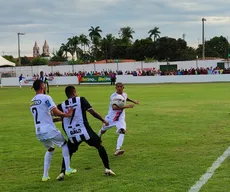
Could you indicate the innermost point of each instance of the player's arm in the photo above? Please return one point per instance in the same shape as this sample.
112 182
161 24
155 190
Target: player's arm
96 115
55 111
89 109
57 119
133 101
115 107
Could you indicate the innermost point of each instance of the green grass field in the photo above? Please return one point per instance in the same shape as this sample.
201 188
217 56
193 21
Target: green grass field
173 137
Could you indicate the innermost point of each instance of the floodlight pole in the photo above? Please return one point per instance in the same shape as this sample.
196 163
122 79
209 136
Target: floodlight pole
203 43
19 57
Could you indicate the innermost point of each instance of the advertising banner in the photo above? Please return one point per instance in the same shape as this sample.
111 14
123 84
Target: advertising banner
30 80
95 79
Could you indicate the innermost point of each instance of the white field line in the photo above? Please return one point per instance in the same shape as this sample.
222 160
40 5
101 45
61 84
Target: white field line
210 172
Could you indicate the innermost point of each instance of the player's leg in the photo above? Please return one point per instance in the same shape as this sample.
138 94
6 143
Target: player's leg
95 141
105 128
60 141
73 147
121 130
47 158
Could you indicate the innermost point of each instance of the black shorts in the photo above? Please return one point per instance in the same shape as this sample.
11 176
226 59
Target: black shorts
93 141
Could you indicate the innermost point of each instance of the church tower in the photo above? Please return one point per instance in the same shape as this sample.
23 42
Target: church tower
46 52
36 50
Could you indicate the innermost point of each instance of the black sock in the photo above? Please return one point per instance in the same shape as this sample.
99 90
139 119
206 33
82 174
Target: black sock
104 157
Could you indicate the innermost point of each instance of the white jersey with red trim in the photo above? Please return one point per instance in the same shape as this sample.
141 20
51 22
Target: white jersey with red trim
116 115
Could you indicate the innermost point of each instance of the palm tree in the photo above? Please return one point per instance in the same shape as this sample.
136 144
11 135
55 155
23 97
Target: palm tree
107 45
84 41
126 34
95 36
58 56
64 49
73 45
94 32
155 33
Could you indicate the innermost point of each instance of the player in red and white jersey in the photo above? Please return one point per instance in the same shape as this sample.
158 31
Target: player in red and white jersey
116 117
41 108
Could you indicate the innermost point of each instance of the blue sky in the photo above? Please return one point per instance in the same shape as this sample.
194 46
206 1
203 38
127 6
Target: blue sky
55 21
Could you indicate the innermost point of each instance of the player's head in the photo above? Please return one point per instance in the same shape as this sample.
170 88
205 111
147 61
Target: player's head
119 87
70 91
41 73
38 85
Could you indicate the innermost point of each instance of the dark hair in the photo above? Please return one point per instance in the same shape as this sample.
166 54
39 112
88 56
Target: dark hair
37 84
69 90
119 83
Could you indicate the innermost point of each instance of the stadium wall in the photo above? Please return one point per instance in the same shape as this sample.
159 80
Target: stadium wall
128 79
132 66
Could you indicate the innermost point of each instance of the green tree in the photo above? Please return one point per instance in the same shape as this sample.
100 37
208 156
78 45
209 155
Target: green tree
95 36
155 33
126 34
142 49
59 56
215 47
25 61
72 45
64 49
39 61
107 44
84 41
9 58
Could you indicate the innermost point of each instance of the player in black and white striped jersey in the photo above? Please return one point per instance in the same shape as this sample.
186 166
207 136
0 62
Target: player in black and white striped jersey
77 127
45 80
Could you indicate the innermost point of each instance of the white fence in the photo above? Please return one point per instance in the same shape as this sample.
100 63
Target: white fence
129 79
133 66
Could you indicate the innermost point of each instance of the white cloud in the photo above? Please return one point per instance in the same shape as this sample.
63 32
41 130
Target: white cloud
55 21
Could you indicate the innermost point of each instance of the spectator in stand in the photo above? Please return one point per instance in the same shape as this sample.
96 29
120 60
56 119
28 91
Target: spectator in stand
79 77
113 78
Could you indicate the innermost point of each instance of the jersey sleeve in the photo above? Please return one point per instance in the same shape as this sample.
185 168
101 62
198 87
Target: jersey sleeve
85 104
50 103
59 106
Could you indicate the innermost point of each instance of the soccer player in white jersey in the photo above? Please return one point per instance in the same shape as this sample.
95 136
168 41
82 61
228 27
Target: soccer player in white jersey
116 117
41 108
77 128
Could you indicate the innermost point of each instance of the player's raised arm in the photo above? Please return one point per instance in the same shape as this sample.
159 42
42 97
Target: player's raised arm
133 101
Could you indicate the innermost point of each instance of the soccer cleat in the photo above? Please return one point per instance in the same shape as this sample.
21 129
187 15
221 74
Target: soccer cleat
109 172
119 152
60 177
70 172
44 179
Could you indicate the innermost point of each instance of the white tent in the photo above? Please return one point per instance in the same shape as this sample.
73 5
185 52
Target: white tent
5 62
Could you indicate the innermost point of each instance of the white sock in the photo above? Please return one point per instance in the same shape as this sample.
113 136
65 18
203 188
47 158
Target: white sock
47 161
120 140
65 154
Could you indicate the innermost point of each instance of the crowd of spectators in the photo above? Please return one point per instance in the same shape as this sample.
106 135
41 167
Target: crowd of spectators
146 72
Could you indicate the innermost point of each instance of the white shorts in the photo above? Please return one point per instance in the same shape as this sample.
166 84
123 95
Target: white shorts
20 82
120 124
58 140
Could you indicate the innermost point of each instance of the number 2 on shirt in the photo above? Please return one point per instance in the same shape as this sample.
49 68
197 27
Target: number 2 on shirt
35 111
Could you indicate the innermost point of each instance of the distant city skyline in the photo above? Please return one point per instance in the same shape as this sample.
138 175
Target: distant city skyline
58 20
